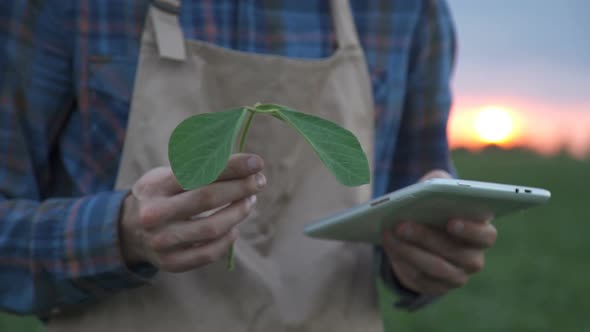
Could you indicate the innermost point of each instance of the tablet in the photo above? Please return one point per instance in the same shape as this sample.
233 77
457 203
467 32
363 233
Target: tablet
434 201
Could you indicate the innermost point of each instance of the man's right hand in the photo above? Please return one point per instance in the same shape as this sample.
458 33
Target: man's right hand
158 223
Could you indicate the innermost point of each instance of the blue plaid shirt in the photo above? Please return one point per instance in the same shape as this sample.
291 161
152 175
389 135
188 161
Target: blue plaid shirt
66 77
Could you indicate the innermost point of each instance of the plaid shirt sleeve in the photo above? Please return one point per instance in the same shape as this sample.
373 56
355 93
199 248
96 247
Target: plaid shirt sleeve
422 139
57 251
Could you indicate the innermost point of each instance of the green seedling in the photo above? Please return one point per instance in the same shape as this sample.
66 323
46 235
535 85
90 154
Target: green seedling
200 146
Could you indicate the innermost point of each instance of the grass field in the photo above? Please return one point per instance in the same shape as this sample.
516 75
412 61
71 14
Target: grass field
537 278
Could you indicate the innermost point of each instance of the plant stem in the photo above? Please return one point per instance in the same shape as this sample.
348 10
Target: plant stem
245 131
230 254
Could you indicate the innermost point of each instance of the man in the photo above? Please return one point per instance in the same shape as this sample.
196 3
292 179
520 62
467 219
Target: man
73 233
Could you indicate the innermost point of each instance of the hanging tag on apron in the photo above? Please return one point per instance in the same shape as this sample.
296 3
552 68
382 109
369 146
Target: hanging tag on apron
168 33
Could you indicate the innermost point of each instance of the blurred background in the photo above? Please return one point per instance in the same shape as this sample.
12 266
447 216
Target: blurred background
521 115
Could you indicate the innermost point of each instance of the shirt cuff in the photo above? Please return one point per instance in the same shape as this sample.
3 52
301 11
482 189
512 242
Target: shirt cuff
407 299
85 257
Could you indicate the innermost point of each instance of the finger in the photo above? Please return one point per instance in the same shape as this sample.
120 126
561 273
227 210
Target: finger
435 267
435 174
433 287
159 181
241 165
410 278
190 203
477 234
439 242
406 274
188 233
194 257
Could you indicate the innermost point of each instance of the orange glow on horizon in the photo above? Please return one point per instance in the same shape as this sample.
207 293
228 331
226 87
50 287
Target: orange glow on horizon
546 129
494 125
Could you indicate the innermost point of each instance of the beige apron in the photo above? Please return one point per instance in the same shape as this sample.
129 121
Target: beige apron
283 280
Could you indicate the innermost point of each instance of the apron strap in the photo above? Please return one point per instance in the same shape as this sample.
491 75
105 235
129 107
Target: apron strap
168 33
346 34
171 43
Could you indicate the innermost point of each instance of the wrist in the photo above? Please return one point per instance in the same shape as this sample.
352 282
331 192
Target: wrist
129 236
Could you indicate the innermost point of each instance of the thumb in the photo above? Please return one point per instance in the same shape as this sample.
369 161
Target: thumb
435 174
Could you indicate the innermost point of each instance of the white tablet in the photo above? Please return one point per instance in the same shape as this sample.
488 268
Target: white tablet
434 201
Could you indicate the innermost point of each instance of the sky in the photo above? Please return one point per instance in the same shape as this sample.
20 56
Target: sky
531 58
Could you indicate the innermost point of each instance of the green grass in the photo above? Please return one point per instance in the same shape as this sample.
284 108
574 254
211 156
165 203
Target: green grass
9 323
537 277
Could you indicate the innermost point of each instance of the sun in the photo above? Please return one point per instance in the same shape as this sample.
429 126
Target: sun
494 125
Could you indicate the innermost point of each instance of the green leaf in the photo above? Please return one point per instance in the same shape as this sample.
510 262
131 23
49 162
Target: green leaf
337 147
200 146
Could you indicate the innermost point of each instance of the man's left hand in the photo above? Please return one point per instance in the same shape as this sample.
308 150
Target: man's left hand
431 260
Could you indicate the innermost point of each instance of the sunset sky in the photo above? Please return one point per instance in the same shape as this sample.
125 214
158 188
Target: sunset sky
526 65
